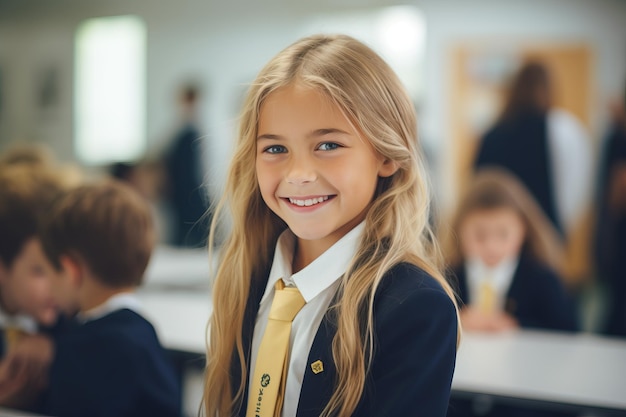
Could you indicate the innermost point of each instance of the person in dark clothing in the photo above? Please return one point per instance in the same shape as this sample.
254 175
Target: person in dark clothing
546 148
188 194
110 361
610 239
506 264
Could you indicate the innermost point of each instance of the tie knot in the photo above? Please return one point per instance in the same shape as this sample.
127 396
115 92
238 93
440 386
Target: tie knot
287 302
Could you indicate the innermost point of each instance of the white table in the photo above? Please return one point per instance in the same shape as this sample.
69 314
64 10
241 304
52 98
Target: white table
582 370
575 370
171 267
179 317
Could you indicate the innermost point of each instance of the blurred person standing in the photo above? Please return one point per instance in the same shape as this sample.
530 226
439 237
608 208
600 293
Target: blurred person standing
610 243
545 147
187 195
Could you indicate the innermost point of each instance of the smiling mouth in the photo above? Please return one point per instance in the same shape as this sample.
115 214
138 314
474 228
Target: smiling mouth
308 202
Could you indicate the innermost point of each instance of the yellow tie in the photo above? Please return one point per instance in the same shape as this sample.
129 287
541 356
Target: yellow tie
265 396
12 335
487 297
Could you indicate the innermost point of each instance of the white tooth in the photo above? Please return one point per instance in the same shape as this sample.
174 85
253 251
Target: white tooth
308 202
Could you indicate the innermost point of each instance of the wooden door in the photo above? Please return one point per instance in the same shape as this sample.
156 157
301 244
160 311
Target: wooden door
479 76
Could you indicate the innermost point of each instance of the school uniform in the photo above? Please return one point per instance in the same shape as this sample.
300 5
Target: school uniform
511 144
415 336
25 324
535 297
111 364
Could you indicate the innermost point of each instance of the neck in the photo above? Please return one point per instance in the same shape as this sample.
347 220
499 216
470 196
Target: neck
307 251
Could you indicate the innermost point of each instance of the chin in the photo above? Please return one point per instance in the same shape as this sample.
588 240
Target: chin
48 319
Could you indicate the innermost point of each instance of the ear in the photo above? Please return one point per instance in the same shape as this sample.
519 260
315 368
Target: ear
72 268
388 168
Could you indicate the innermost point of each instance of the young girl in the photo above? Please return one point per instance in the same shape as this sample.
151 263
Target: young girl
328 195
506 259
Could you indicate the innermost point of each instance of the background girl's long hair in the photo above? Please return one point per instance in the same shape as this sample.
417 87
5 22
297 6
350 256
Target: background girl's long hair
495 188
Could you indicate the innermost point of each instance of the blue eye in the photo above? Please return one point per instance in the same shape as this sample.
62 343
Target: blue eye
275 149
328 146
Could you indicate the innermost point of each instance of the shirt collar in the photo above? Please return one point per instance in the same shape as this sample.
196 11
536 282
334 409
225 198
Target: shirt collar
21 321
319 274
499 275
117 302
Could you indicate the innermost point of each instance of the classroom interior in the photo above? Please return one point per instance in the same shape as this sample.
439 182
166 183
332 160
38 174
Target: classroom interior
454 57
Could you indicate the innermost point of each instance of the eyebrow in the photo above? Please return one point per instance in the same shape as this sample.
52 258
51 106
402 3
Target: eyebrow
316 133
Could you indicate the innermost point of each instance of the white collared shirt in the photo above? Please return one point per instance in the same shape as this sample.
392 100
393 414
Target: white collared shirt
318 282
500 277
572 167
117 302
21 321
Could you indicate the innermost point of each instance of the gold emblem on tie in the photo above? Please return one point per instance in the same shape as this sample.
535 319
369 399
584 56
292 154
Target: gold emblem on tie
317 367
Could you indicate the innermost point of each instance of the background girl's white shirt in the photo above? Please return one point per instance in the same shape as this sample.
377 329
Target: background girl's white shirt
500 276
318 282
117 302
572 166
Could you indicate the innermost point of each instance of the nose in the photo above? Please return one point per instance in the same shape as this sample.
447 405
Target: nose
301 171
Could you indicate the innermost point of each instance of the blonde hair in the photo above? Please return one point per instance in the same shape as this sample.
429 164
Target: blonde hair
495 188
371 96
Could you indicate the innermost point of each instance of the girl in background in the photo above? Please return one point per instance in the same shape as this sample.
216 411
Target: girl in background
328 194
506 258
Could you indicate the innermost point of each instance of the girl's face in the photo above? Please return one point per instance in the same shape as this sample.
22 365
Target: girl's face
492 235
27 284
314 170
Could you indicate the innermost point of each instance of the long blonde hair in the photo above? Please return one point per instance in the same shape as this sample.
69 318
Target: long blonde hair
493 188
369 93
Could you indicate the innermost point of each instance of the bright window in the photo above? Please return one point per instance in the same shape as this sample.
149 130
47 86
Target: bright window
110 77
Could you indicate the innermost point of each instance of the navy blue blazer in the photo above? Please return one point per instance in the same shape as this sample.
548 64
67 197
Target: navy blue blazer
112 366
414 354
536 297
520 145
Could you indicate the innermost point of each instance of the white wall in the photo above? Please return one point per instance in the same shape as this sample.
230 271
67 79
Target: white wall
222 48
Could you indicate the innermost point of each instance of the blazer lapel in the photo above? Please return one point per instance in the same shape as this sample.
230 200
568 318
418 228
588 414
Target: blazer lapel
320 373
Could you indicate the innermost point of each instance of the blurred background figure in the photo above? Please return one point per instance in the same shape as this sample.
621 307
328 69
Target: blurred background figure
27 154
506 262
30 180
507 259
546 148
186 193
610 248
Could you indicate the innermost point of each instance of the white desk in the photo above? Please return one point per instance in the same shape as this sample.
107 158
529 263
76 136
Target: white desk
179 317
572 369
178 267
580 370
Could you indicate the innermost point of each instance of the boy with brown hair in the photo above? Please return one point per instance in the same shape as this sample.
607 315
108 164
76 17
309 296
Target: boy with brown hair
27 305
111 363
